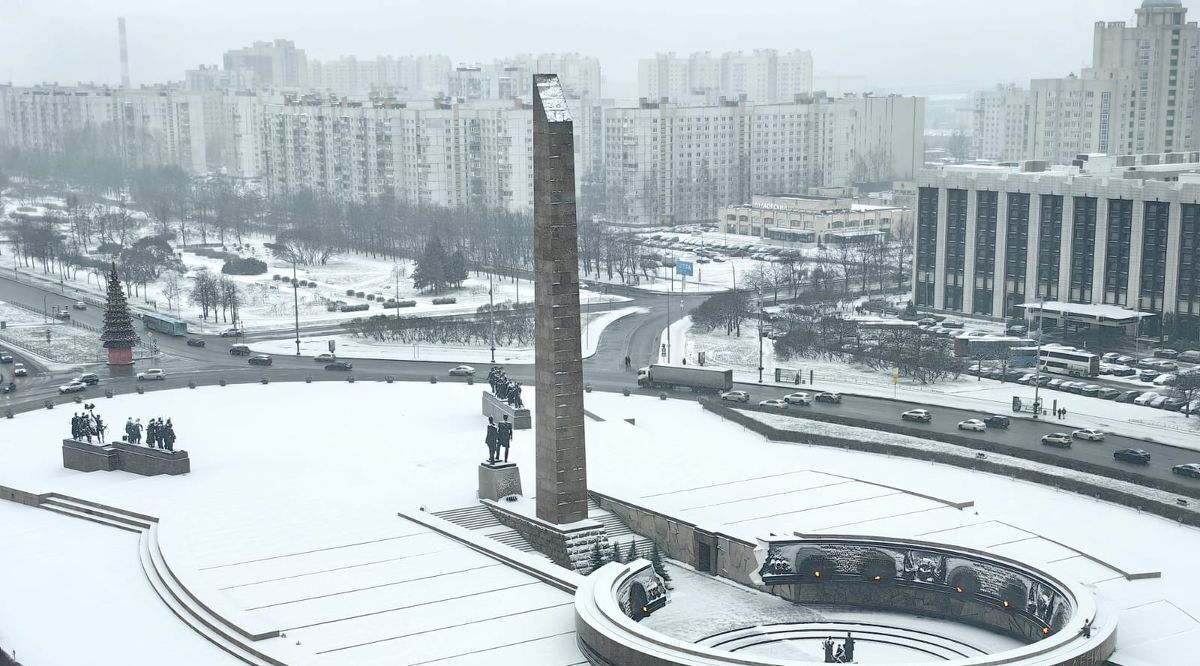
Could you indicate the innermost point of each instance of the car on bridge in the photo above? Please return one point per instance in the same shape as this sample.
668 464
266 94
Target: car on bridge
1057 439
972 424
798 399
462 371
831 397
339 365
6 357
1140 456
196 342
259 359
152 374
1187 469
918 415
19 370
73 386
773 402
325 358
1090 434
80 305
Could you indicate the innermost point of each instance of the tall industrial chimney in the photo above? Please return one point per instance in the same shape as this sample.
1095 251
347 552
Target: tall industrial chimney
124 54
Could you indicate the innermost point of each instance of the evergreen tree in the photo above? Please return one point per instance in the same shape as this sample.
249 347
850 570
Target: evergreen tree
431 270
456 268
118 330
597 559
657 562
631 554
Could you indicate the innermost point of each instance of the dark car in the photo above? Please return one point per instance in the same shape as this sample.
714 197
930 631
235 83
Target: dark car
1148 375
1187 469
996 421
1091 390
339 365
1166 353
1132 455
1128 396
239 350
1121 371
1041 380
1173 404
90 378
195 342
261 359
1190 356
6 358
1108 394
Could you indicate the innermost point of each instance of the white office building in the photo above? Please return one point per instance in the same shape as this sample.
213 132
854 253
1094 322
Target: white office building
809 218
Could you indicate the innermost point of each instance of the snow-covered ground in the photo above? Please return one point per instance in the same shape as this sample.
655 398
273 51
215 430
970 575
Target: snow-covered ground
352 346
311 476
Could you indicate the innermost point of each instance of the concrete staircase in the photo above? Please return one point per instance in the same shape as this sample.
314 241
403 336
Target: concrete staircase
98 513
618 532
479 518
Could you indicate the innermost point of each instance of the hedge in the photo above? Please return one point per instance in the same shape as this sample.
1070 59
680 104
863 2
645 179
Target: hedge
447 300
248 266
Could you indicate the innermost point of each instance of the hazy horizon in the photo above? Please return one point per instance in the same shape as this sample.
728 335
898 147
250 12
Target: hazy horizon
905 47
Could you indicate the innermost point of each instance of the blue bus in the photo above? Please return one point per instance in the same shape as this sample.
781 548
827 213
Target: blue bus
164 324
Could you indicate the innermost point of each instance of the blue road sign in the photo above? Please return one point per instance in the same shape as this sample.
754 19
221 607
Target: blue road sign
683 267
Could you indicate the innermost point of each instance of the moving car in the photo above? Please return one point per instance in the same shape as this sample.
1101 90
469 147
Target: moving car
797 399
19 370
259 359
972 424
996 421
1132 455
6 358
152 373
231 332
1090 434
918 415
80 305
195 342
73 386
773 402
1057 439
339 365
1187 469
829 396
89 378
325 358
736 396
239 350
462 371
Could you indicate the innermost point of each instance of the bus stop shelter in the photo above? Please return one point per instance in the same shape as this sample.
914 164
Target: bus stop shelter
1084 316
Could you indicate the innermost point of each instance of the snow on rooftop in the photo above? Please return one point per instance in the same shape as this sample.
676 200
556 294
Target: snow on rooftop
1086 310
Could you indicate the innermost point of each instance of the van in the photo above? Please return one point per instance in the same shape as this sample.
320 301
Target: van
239 350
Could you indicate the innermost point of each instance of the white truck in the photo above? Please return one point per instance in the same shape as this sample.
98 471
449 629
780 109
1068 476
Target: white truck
694 377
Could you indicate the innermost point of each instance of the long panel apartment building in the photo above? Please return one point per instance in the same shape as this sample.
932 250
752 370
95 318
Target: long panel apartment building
1115 231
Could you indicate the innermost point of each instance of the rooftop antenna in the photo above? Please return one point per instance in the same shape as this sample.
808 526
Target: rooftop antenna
124 54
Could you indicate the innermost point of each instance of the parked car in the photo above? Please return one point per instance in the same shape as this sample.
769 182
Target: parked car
997 421
1158 402
829 396
6 357
1091 390
736 396
89 378
798 399
1126 360
1187 469
339 365
773 402
152 373
1145 398
259 359
1148 375
1167 366
231 332
239 350
1122 371
195 342
1173 404
1055 384
1166 353
1026 379
1057 439
80 305
1041 380
325 358
1191 408
1132 455
1108 394
1168 379
1190 356
462 371
972 424
19 370
918 415
1090 434
73 386
1110 357
927 321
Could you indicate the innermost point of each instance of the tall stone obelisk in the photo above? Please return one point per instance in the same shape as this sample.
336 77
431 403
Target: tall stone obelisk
558 421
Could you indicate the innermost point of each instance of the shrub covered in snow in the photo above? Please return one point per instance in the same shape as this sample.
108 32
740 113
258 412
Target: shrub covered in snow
247 266
446 300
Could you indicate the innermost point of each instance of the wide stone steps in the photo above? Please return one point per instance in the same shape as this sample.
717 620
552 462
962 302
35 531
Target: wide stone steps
480 519
97 513
619 533
512 538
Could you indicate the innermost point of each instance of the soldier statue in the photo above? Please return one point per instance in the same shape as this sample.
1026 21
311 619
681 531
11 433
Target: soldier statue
514 396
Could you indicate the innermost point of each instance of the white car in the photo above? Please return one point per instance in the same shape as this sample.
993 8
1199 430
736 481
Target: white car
1158 402
152 373
918 415
972 424
462 371
773 402
798 399
736 396
1165 380
19 370
1145 398
1090 434
74 386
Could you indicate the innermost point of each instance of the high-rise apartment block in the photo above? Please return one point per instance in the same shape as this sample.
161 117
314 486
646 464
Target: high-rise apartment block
277 64
764 76
1001 123
407 77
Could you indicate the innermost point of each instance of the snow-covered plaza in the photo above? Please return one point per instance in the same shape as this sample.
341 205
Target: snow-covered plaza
290 521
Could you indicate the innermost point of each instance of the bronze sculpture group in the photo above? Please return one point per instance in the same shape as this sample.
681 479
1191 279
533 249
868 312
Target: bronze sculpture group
504 388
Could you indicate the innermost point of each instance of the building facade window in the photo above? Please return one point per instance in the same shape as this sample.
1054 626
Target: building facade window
1116 251
985 252
1016 247
1049 248
1083 246
1187 301
1154 257
926 247
956 249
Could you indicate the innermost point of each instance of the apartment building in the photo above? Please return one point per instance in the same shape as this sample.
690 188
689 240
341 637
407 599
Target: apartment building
1001 123
764 76
276 64
809 218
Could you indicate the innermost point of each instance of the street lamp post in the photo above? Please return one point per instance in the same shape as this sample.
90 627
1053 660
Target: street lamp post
295 302
491 317
760 336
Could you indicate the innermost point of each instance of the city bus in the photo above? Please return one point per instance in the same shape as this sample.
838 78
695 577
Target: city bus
1068 361
164 324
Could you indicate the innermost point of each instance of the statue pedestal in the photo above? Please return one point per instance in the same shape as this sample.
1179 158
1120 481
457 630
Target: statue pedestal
498 480
497 408
119 455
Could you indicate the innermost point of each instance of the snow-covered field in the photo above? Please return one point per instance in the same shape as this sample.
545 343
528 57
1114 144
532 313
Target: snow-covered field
67 345
310 477
14 316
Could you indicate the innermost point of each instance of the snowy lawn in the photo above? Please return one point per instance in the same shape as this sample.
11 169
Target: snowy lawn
67 345
14 315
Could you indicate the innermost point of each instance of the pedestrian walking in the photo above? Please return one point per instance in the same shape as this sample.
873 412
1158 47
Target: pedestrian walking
1064 412
504 435
628 362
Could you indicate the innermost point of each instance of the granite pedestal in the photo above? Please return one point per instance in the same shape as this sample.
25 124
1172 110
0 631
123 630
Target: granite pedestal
497 480
497 409
113 456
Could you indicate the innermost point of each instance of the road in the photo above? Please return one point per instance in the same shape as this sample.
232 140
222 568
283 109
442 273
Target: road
637 336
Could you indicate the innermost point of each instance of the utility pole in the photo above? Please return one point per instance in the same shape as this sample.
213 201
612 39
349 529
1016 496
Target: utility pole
760 335
491 317
670 295
1037 383
295 302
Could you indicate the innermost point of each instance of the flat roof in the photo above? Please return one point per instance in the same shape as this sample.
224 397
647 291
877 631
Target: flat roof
1095 311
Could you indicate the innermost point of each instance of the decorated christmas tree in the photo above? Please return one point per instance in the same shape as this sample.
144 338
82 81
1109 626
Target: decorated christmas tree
118 335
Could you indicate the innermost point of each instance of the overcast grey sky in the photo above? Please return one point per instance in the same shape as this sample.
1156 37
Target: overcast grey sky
914 46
